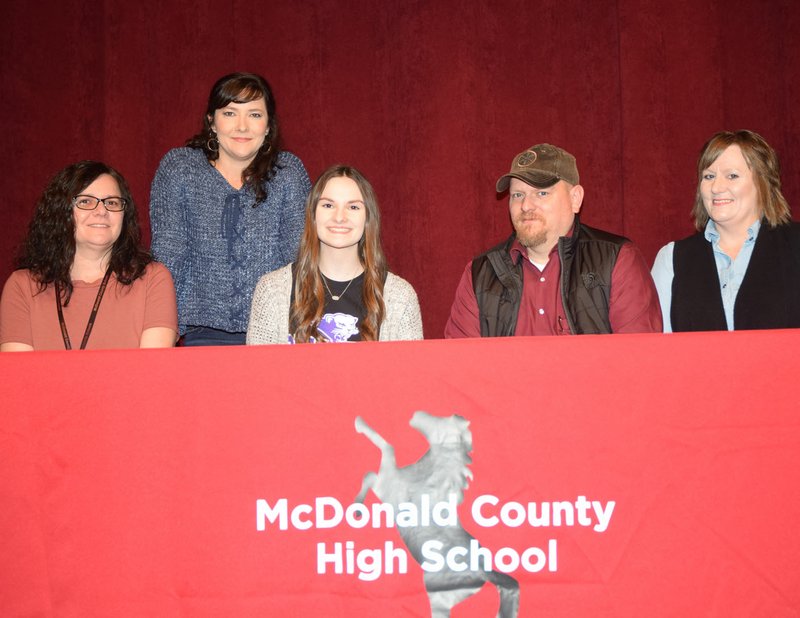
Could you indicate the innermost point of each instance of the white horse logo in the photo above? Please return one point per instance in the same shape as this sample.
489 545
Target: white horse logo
441 471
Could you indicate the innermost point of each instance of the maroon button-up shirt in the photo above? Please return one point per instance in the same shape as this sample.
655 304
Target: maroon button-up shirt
633 307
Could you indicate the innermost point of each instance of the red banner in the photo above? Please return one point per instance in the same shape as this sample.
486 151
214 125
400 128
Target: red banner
638 475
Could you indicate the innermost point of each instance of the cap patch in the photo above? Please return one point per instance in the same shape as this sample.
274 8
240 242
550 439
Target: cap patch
526 158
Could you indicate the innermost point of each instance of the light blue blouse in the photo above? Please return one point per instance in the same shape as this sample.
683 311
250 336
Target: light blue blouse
730 271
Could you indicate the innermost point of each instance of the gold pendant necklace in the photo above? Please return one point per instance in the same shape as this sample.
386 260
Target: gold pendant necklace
336 296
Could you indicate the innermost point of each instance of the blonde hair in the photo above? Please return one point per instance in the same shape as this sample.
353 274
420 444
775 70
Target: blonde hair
763 163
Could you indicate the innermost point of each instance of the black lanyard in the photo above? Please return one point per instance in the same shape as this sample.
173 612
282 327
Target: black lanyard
93 315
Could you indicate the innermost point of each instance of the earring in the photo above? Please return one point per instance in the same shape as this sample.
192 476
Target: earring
213 143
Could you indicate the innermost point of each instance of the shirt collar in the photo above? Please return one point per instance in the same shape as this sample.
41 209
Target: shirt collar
518 252
712 233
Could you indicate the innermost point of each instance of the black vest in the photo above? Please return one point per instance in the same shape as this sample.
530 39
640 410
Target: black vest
769 296
587 261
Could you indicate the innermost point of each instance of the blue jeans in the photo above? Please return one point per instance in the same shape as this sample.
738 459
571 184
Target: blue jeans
202 335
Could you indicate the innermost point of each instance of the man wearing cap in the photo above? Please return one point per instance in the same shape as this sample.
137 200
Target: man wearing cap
554 275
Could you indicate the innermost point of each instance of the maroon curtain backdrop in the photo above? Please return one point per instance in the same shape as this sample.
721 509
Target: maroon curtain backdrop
430 99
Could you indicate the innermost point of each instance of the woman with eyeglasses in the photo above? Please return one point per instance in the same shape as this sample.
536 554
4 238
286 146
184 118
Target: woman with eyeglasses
339 289
227 208
83 280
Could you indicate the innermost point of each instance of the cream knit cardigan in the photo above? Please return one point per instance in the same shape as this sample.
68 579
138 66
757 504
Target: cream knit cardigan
269 313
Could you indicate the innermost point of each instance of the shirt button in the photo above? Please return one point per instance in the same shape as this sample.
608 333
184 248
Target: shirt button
541 279
541 311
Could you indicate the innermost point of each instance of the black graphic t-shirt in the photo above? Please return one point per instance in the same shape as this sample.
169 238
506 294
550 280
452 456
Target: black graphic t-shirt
340 318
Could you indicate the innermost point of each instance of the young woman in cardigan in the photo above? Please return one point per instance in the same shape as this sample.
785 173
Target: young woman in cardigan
339 289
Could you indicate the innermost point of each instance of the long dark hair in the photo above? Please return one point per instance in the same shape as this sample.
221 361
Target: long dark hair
309 294
49 248
763 163
243 88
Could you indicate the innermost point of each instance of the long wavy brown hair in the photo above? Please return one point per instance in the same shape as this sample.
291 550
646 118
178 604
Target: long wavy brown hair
243 88
48 251
763 163
309 292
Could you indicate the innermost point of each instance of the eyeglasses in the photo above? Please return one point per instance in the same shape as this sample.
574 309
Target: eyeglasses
90 202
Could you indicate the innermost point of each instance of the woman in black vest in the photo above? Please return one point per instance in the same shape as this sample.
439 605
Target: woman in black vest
742 269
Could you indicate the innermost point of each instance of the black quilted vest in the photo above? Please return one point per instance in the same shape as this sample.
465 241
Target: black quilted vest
587 261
